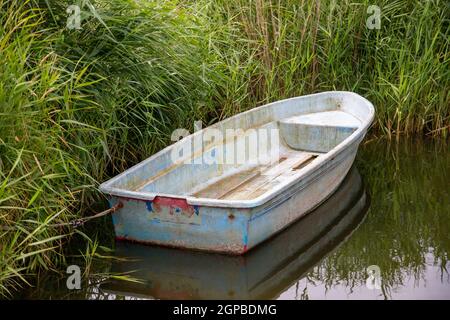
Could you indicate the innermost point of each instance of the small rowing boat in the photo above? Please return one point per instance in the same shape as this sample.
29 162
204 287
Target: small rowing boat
216 189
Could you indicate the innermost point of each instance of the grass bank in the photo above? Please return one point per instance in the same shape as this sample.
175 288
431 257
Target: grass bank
80 105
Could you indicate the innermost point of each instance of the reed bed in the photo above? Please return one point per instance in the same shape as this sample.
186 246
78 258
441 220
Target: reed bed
79 106
277 49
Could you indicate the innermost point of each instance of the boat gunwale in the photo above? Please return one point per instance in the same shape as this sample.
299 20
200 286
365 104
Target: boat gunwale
302 173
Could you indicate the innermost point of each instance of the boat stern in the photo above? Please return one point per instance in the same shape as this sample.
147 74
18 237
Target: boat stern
173 222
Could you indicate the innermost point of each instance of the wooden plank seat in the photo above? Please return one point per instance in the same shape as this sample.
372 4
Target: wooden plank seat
253 182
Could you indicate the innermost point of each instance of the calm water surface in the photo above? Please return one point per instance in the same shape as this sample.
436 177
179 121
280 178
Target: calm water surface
392 214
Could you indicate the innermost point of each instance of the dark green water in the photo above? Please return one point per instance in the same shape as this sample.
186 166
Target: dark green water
392 212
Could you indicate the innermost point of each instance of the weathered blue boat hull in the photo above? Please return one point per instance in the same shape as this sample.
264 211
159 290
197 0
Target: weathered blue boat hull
229 230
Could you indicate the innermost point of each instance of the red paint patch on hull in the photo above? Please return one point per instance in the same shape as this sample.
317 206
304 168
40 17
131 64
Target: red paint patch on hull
174 205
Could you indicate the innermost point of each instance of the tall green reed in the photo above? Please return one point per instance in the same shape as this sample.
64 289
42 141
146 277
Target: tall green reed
78 106
277 49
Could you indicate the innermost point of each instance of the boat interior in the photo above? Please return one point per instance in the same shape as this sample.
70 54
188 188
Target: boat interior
248 155
245 164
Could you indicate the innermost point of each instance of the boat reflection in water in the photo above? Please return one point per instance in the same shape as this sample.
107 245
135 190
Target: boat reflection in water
263 273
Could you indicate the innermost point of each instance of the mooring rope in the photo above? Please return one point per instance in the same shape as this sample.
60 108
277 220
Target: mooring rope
74 223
